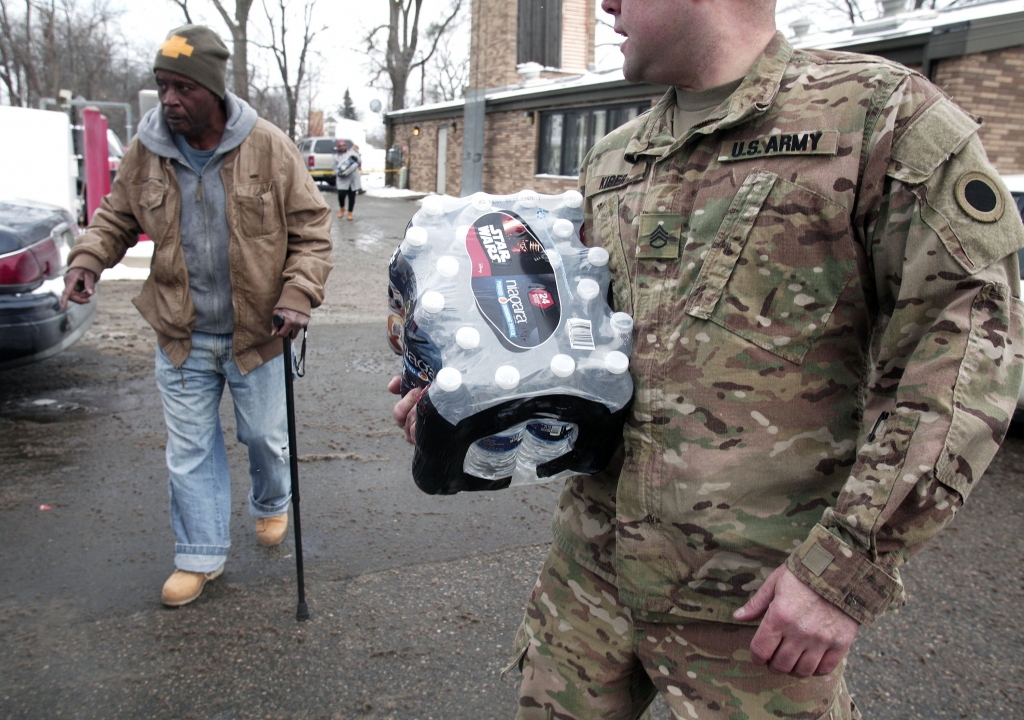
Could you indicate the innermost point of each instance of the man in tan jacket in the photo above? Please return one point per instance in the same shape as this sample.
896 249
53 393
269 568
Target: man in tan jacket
240 234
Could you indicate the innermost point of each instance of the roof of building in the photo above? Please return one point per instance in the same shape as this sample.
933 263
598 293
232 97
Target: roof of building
913 38
908 24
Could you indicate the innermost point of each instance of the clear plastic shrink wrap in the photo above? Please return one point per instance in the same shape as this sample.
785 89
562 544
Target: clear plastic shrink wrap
496 305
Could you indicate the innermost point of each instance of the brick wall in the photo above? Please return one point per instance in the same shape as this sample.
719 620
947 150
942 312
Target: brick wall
577 34
421 154
492 58
989 85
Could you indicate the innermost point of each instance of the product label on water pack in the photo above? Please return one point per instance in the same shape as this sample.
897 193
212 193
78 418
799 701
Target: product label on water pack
501 443
513 281
401 285
549 432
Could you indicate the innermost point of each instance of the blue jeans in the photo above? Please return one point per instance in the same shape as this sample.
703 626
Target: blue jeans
199 482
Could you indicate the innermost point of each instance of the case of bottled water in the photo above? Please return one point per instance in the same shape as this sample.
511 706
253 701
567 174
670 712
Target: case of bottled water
501 312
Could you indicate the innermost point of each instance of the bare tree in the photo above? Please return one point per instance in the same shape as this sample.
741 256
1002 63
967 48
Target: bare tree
832 13
447 72
279 48
183 4
50 45
396 57
239 28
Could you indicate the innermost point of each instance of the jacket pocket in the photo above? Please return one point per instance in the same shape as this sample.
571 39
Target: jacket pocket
150 198
780 260
258 212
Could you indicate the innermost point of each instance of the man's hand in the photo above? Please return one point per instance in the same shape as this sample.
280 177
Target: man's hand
79 286
405 409
294 321
802 633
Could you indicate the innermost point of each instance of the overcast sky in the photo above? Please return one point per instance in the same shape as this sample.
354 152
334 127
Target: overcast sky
340 50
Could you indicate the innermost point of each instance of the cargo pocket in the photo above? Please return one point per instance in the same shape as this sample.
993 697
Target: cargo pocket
605 233
258 213
519 648
780 260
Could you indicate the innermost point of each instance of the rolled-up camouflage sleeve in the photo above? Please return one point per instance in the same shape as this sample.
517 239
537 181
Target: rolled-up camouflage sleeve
941 234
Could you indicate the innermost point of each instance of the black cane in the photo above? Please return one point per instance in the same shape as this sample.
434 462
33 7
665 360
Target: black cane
302 612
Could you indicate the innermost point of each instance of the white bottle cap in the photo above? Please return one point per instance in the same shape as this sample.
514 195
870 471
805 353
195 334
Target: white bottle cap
433 301
528 199
562 365
597 256
506 377
416 236
572 199
448 379
467 338
447 266
616 362
588 289
623 322
553 257
563 228
433 206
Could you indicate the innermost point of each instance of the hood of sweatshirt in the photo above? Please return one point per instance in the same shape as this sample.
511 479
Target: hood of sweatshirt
158 138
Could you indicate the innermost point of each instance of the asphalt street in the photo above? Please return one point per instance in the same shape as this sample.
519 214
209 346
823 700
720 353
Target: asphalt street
414 599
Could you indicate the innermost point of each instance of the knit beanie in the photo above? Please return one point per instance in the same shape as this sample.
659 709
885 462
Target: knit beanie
198 53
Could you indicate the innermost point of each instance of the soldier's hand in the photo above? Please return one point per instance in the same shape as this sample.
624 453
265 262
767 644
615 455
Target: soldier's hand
79 286
294 321
405 409
801 632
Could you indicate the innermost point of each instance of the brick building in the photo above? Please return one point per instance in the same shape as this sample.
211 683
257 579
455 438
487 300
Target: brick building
538 108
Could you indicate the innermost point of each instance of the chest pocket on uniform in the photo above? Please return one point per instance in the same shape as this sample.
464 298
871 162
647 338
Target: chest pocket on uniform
780 259
258 213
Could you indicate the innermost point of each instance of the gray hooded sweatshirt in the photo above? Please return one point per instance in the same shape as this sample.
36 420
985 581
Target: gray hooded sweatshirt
204 222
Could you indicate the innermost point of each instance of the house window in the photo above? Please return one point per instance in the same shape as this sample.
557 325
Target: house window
539 32
566 136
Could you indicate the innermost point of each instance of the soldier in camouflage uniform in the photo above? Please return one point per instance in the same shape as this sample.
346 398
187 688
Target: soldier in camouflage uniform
828 336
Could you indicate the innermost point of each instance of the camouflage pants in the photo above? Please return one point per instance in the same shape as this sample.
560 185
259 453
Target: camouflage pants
583 655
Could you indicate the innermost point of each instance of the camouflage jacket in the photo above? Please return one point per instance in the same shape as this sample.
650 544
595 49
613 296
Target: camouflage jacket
828 336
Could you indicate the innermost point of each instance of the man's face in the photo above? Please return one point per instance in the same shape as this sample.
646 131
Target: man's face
658 34
188 106
342 147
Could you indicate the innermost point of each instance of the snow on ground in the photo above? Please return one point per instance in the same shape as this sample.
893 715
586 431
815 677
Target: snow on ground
135 265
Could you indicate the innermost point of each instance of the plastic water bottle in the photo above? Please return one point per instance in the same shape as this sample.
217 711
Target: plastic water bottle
494 457
543 441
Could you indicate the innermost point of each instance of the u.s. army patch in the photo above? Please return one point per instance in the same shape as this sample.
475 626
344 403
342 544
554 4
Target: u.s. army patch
979 196
812 142
659 236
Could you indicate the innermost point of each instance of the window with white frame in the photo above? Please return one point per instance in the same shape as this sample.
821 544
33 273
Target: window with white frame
566 136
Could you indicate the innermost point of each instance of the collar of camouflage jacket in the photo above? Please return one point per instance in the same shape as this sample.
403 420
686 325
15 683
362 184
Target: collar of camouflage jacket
754 96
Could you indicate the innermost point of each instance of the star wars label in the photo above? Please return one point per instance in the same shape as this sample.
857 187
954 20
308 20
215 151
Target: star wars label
513 281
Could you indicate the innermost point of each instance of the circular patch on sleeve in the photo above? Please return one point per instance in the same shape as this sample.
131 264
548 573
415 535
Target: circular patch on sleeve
979 196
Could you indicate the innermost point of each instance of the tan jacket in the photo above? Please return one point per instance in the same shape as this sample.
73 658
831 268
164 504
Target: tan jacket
279 246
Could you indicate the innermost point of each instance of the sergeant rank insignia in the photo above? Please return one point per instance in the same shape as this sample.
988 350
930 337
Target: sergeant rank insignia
659 235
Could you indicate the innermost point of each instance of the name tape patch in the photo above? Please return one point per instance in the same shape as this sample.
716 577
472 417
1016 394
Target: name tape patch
812 142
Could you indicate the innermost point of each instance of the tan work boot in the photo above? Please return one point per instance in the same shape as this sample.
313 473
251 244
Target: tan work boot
183 586
341 213
270 531
349 214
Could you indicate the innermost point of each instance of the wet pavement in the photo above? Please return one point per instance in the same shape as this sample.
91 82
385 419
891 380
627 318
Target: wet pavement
414 599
